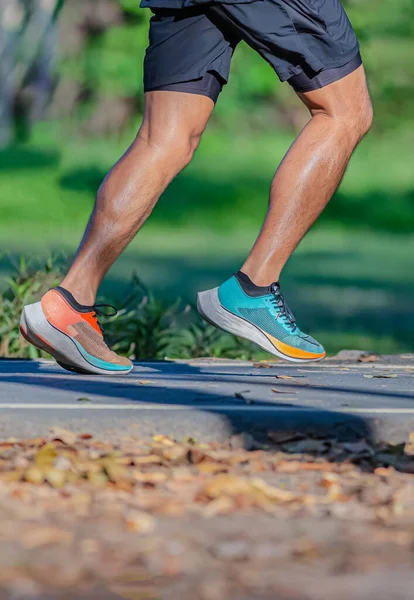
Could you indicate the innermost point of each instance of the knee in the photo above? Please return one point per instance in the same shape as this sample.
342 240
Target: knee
364 118
177 146
184 146
357 120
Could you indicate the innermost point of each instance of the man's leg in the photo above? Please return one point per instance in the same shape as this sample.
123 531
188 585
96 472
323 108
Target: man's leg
311 171
64 322
250 304
170 133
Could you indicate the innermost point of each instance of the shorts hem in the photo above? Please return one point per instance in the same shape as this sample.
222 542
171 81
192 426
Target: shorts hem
161 88
149 87
334 64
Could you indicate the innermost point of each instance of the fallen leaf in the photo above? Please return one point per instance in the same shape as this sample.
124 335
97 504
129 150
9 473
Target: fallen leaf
11 476
225 484
97 478
83 399
145 381
211 468
196 456
306 446
276 391
192 441
240 395
381 376
126 461
34 475
389 460
280 437
272 492
220 506
395 448
384 472
182 474
409 446
367 358
287 376
63 435
140 522
360 448
242 441
62 463
261 365
150 459
403 499
36 442
306 548
291 466
176 455
163 439
329 479
43 536
153 477
45 456
85 436
116 473
55 477
4 446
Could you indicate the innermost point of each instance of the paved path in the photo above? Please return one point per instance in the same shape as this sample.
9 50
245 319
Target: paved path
211 399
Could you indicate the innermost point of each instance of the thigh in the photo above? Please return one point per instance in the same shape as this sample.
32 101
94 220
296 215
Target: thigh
184 45
343 98
171 116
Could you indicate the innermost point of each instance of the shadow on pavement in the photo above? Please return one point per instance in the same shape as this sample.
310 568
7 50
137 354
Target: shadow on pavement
256 418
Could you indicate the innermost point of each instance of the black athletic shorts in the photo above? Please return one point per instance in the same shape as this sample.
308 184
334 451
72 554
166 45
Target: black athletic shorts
309 43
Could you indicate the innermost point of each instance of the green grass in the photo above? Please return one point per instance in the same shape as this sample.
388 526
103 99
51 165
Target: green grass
350 282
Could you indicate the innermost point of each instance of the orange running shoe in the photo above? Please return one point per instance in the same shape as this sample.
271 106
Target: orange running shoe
70 332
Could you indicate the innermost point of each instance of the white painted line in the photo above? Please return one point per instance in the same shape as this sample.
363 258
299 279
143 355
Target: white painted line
203 407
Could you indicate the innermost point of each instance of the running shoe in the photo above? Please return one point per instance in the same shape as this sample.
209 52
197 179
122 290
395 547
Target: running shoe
70 332
259 315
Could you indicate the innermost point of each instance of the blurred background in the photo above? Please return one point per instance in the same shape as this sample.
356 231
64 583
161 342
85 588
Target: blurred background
71 101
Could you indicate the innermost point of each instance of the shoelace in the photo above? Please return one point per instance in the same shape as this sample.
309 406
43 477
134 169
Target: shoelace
280 302
98 312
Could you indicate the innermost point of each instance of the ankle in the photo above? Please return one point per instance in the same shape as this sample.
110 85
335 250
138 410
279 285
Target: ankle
258 278
82 294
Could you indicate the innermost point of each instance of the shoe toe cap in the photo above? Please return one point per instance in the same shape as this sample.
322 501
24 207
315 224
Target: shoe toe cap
312 345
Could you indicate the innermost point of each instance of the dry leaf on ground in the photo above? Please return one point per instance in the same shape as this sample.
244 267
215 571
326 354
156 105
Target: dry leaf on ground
367 358
63 435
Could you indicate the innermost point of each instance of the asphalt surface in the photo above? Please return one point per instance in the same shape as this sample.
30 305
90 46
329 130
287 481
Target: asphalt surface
211 399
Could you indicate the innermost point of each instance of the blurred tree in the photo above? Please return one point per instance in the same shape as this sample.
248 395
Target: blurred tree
27 51
100 46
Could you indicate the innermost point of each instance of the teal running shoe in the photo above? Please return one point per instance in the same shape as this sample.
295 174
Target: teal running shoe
259 315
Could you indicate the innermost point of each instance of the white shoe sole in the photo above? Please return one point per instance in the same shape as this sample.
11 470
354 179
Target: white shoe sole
37 330
209 307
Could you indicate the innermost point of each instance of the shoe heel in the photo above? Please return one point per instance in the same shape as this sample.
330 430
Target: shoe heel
209 307
31 336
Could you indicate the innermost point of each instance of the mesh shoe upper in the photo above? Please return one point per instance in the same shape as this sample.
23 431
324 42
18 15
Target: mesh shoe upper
265 313
82 327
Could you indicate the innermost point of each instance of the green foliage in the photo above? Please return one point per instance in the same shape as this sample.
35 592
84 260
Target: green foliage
131 7
111 64
26 285
149 328
144 328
